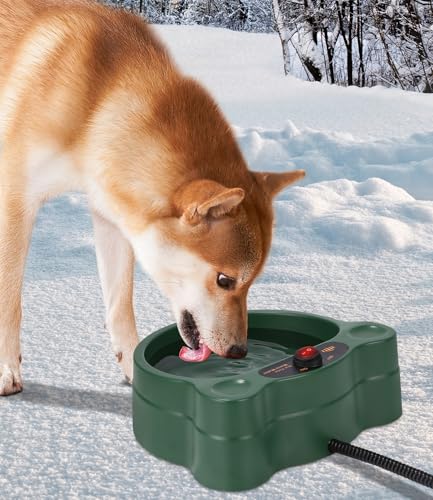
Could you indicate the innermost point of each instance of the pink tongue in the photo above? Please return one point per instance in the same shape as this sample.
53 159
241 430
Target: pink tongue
195 355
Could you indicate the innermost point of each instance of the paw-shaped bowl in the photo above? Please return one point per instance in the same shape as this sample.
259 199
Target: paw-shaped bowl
234 423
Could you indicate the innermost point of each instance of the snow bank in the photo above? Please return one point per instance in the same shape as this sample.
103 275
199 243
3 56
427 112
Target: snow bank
406 162
370 215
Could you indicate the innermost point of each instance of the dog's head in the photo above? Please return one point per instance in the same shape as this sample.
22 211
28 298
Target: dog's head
199 220
207 255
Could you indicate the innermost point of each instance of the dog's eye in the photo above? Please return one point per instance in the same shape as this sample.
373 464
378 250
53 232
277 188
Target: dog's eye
225 282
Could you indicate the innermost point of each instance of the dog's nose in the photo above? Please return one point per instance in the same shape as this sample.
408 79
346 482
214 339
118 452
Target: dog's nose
237 351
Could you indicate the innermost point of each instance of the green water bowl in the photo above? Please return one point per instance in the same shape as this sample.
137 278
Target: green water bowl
235 422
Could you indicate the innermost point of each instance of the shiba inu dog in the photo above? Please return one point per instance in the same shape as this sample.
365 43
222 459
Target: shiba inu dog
90 100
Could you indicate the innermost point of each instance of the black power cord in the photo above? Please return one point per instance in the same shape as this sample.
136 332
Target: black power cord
417 475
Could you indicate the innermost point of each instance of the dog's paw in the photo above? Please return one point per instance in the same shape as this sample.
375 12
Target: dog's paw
10 379
125 359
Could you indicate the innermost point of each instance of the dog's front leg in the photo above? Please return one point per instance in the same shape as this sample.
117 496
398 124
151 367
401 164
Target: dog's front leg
16 221
115 260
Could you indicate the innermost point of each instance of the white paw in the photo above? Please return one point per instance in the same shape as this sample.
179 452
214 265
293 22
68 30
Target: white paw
10 379
125 358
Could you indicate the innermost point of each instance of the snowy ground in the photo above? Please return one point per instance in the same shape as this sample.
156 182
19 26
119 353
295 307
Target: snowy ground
354 241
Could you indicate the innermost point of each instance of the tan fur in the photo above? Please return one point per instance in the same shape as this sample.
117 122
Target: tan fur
91 100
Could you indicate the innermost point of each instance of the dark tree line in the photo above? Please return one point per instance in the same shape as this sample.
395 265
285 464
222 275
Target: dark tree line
346 42
359 42
241 15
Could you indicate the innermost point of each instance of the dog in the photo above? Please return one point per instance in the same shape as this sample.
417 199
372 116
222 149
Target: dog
90 100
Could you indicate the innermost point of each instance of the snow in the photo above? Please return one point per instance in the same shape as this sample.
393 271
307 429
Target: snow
354 241
404 161
346 215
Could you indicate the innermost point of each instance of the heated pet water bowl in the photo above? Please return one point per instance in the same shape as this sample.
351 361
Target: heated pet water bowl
235 422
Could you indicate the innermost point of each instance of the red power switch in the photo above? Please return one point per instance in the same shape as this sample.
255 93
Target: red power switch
307 357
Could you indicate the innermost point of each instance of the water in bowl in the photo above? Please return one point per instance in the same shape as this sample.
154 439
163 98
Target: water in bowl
260 353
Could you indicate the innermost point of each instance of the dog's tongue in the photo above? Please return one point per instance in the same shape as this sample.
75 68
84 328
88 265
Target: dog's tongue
195 355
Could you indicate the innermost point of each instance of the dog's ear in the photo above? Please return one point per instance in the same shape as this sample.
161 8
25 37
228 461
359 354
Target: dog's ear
274 182
222 203
204 198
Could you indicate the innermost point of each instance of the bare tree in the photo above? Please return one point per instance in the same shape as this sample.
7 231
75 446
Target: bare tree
296 24
345 18
283 32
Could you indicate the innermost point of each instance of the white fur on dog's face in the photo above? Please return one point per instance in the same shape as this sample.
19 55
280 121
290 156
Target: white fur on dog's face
183 277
